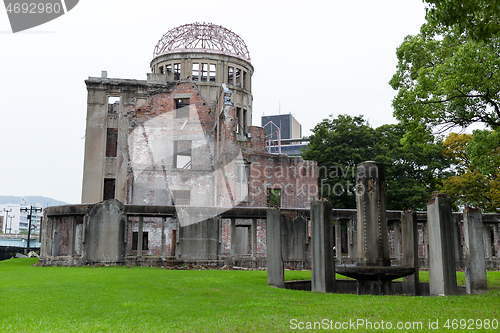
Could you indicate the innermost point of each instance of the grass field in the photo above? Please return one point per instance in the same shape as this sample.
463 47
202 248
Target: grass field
142 299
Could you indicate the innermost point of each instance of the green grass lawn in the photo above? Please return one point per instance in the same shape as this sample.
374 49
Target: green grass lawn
142 299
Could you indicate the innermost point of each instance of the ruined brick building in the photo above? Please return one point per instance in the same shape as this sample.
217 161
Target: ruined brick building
181 138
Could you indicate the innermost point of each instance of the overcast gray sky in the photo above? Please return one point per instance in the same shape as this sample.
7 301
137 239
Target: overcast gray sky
315 58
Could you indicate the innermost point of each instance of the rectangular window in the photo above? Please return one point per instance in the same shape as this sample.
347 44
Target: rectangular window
212 72
204 72
244 79
242 175
177 71
182 108
238 77
273 197
111 142
135 241
182 154
161 70
168 68
196 72
113 104
239 128
181 197
109 189
230 75
244 122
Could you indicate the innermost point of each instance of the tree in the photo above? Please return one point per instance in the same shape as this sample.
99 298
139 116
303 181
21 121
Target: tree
476 160
480 19
340 144
445 79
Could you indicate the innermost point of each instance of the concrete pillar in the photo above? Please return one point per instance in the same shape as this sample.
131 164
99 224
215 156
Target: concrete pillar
275 268
475 266
163 237
338 240
487 241
373 244
409 228
233 240
71 235
496 235
442 264
254 239
459 250
397 240
322 261
425 241
352 240
139 237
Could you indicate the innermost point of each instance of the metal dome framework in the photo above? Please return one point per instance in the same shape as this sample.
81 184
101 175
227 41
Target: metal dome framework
202 37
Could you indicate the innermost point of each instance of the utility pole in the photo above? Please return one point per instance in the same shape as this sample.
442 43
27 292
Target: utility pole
7 219
31 210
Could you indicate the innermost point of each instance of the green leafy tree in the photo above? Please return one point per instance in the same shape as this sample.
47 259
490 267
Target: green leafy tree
479 19
340 144
444 79
477 162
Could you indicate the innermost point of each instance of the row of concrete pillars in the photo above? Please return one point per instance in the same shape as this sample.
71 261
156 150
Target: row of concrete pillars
442 263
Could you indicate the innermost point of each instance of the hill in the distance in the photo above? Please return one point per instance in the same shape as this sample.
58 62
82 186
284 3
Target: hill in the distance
31 200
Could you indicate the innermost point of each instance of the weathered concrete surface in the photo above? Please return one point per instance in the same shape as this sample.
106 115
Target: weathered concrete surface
105 233
275 269
198 241
475 266
442 265
409 226
373 245
322 261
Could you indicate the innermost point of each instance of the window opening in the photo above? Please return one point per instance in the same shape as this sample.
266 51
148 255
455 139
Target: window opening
111 142
242 175
135 240
168 68
177 71
161 70
273 197
204 72
212 72
230 75
182 154
244 79
113 104
109 189
181 197
238 77
196 72
182 108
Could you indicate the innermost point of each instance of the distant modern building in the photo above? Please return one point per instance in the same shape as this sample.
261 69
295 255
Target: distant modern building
290 141
13 221
290 128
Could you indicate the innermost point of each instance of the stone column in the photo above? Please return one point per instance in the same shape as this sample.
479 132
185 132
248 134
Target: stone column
410 251
475 266
254 239
442 264
338 240
139 237
163 237
373 245
459 250
352 240
397 240
496 235
275 268
322 261
487 241
425 242
233 240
